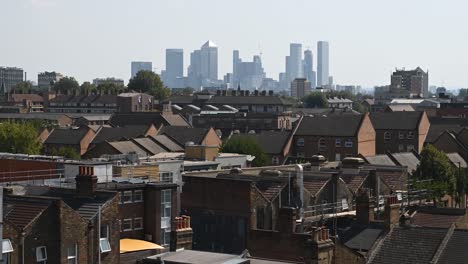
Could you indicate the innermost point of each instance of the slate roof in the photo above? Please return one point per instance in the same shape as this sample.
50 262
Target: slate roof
394 181
434 220
354 181
125 147
22 213
382 159
270 189
246 100
29 97
407 159
106 99
336 125
435 130
272 142
183 135
325 111
365 239
456 250
414 245
396 120
66 136
149 145
456 160
148 118
167 143
118 133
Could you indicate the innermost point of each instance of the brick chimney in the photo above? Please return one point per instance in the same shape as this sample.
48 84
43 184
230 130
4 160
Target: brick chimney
364 208
181 233
391 212
287 220
86 182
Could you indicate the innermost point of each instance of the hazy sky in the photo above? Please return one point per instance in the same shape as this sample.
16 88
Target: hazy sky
368 38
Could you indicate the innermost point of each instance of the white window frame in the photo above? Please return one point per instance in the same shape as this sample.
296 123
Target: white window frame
105 241
73 258
166 176
39 257
338 143
410 135
128 220
138 220
401 135
131 197
387 136
349 143
135 194
6 243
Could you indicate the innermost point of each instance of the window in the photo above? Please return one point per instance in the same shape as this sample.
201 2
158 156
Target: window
137 223
104 244
138 196
72 254
41 255
337 157
165 236
401 148
260 218
322 145
338 142
300 142
166 176
275 160
349 143
7 248
387 136
127 225
166 207
410 135
127 197
401 135
409 148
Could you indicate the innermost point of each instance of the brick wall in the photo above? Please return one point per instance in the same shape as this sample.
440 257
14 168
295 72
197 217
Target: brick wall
16 165
73 230
366 137
212 139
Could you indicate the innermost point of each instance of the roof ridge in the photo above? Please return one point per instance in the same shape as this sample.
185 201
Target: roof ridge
443 244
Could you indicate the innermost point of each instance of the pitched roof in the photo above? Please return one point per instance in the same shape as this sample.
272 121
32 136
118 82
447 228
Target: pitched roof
28 97
455 250
247 100
150 145
456 160
272 142
182 135
415 245
427 219
125 147
118 133
435 130
23 212
365 239
270 189
336 125
354 181
315 184
148 118
382 159
408 159
167 143
396 120
66 136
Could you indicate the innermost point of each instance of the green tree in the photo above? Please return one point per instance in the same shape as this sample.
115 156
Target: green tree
149 82
88 88
19 138
435 173
245 145
67 152
110 88
23 87
66 85
187 91
315 100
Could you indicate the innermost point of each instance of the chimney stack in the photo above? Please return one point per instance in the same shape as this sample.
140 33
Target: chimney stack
364 208
86 182
391 212
316 162
181 233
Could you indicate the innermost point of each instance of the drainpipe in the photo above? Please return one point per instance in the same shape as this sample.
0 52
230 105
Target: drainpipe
300 182
22 247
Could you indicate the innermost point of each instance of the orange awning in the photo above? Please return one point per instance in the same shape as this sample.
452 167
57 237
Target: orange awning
132 245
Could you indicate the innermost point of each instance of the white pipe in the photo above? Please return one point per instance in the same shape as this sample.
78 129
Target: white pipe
300 183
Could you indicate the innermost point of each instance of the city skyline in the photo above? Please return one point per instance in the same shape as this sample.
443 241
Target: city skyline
95 47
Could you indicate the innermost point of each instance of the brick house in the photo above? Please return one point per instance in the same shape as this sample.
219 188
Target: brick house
58 225
199 136
134 102
453 142
78 139
224 208
334 137
400 131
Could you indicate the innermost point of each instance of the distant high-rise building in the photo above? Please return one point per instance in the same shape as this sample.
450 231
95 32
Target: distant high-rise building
174 67
413 83
322 63
300 87
9 77
308 64
112 80
247 75
294 68
141 66
203 68
46 80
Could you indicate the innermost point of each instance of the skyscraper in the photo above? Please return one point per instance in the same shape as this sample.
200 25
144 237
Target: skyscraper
308 64
249 75
9 78
141 66
300 87
209 61
295 69
322 63
174 67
